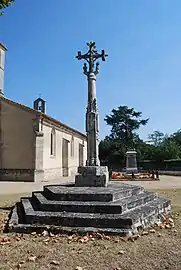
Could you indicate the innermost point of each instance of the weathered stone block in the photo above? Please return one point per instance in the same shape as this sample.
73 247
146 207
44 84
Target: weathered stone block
93 170
91 180
93 176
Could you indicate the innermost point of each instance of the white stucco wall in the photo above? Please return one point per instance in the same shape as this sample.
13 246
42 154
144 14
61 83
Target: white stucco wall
17 137
54 163
2 59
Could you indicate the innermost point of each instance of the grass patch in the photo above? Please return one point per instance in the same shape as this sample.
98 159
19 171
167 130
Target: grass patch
155 251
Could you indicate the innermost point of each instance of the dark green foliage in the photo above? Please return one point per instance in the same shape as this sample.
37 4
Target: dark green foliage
4 4
125 122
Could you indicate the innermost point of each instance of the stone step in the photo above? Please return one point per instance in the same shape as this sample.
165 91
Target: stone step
134 217
17 227
116 207
101 194
146 214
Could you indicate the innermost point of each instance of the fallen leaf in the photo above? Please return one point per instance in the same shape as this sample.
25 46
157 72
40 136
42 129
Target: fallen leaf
121 252
54 262
106 237
92 239
46 240
18 238
116 240
86 239
134 237
124 239
152 231
78 268
81 240
32 259
144 233
171 220
44 233
131 238
157 224
55 241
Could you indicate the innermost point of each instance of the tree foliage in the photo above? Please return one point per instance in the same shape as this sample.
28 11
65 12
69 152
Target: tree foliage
4 4
125 123
156 137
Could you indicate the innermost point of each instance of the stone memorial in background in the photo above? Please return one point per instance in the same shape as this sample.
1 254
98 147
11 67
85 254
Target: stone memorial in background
131 162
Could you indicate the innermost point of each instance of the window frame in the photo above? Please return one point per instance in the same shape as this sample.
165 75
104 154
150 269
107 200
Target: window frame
53 143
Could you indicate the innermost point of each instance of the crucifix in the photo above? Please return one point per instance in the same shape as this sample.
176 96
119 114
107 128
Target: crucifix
92 117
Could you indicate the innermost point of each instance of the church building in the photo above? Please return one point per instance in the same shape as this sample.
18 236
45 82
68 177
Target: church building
33 145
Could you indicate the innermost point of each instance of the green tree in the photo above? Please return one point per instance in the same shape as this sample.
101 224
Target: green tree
124 122
112 153
145 151
168 149
156 137
176 136
4 4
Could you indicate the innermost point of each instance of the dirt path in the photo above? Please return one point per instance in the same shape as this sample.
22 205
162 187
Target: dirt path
166 182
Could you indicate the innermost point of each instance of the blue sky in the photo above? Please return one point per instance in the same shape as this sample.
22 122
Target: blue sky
143 70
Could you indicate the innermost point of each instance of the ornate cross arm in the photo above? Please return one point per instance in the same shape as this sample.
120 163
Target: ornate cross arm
91 56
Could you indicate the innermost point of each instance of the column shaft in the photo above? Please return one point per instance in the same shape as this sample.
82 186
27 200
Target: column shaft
92 124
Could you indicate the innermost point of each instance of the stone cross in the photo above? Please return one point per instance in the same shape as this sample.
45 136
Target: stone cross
92 116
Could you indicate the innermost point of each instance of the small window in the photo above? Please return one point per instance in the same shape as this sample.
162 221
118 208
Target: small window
72 147
52 143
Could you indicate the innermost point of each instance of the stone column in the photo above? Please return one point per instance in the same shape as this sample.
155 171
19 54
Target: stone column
92 174
92 124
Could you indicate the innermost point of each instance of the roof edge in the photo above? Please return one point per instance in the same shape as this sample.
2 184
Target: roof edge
42 115
57 122
3 46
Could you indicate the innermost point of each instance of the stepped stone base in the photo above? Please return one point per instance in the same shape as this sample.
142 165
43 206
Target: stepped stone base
116 209
92 176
